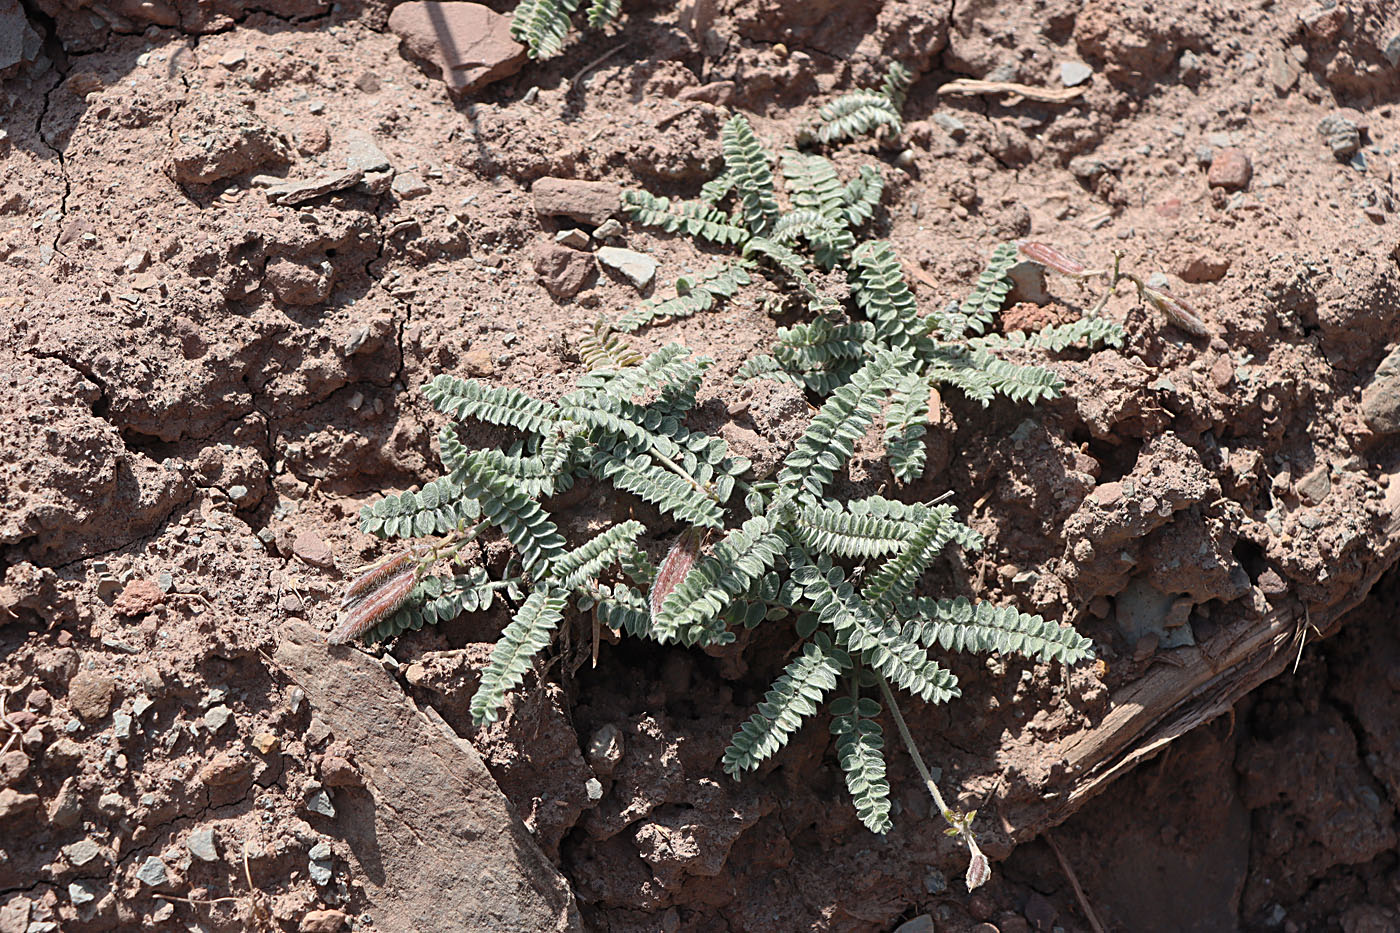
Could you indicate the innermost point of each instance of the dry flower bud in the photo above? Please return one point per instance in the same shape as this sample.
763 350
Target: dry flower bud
1180 313
1051 258
674 568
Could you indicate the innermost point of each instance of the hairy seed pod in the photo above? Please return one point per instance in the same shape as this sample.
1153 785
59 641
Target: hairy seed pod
375 606
380 571
1051 258
1180 313
677 564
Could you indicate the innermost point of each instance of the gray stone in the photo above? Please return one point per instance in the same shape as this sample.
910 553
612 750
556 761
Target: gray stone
140 705
121 725
82 852
1342 133
923 923
320 802
19 43
152 873
1380 400
935 882
637 268
605 749
83 892
217 717
320 852
1073 74
1144 610
320 871
299 192
409 185
594 788
202 844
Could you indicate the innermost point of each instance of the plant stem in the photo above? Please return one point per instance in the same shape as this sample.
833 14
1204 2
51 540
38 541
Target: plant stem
467 536
676 468
914 751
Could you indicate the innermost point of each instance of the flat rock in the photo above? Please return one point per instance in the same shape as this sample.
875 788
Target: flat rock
299 192
152 873
309 547
469 43
226 770
637 268
450 845
409 185
138 598
564 272
1204 266
82 852
589 202
1231 169
363 155
202 845
1283 70
1073 74
90 694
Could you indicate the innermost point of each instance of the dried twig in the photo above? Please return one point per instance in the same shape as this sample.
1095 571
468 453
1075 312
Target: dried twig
1074 883
972 86
578 78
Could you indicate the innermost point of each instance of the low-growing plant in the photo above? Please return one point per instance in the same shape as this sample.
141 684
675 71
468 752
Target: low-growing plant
843 576
543 25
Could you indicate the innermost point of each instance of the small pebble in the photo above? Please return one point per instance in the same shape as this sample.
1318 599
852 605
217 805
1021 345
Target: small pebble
202 845
320 802
1073 74
217 717
152 873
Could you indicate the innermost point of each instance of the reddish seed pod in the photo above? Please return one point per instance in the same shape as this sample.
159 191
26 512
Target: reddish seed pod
375 605
381 571
679 560
1051 258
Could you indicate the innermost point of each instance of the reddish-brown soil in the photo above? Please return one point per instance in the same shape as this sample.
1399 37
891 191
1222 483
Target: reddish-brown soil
199 388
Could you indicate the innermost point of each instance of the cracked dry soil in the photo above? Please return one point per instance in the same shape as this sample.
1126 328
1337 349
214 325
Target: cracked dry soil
199 387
